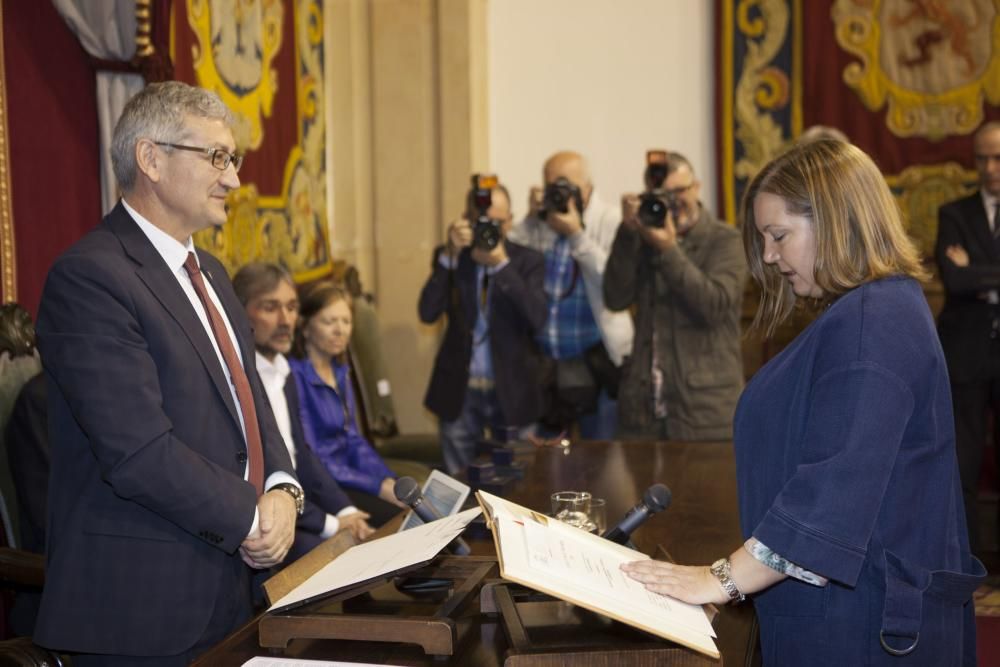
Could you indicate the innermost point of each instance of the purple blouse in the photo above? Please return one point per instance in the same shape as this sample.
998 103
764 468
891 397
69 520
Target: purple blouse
329 419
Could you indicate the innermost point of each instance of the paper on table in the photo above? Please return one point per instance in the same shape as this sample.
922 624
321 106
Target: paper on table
584 569
381 557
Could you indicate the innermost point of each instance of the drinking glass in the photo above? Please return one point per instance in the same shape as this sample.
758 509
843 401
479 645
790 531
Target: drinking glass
572 507
598 515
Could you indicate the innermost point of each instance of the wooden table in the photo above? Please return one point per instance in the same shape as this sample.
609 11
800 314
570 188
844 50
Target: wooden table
700 525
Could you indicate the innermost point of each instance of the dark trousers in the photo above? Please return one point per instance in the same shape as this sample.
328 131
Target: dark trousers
232 611
972 402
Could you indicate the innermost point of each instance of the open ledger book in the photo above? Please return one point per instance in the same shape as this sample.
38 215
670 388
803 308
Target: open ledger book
573 565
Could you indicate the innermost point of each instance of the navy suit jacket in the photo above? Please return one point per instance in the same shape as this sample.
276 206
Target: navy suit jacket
147 501
966 321
323 494
518 308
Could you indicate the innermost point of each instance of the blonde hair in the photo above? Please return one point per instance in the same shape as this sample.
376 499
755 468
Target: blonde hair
859 231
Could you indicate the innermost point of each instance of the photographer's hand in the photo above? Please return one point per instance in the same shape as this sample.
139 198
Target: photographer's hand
536 197
565 224
630 211
660 238
490 258
459 236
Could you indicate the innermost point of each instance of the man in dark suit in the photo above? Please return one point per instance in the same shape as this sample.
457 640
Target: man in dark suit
486 374
268 293
968 256
169 476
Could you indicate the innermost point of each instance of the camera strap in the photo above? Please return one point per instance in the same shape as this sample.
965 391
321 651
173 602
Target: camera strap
556 298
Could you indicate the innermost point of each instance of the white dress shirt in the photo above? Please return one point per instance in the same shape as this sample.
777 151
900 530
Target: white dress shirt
274 374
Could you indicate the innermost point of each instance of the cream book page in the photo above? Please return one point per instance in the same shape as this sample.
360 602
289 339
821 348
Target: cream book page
381 557
584 569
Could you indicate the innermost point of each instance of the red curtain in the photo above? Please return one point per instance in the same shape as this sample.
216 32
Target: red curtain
52 129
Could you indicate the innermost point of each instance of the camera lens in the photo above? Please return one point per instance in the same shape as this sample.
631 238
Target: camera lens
486 234
652 210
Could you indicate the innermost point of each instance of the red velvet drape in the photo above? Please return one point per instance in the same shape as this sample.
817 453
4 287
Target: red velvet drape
52 122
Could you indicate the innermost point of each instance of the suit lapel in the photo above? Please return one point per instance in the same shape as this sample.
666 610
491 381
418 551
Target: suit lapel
154 273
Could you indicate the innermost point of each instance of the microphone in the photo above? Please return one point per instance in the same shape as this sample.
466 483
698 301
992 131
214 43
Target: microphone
408 492
656 499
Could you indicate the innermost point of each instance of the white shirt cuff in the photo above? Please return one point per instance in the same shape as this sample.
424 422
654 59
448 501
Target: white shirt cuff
273 480
330 526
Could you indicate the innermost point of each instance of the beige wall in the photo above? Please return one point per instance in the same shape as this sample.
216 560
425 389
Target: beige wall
609 78
421 93
406 82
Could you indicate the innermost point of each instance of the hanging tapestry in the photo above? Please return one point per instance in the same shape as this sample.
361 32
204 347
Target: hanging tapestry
264 58
908 81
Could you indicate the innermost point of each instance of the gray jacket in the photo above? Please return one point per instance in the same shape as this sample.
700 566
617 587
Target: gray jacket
692 295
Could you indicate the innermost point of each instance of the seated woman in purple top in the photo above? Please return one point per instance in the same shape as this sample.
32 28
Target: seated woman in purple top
328 408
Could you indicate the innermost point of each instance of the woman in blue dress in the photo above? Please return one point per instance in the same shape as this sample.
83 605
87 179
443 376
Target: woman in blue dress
327 406
856 550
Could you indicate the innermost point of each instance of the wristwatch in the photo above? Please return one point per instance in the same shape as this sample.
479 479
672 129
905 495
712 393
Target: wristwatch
295 492
720 569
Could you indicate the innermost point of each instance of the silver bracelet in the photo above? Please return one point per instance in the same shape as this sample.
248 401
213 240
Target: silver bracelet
720 569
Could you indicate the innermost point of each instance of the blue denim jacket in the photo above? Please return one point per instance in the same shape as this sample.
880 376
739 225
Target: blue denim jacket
846 465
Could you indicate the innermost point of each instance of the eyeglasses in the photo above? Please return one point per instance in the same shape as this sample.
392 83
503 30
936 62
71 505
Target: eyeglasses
677 192
220 159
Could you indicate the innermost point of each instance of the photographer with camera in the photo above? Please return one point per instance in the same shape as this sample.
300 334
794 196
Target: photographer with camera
491 290
684 271
583 342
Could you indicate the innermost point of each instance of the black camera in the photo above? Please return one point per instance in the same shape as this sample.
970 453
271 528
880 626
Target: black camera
486 231
653 207
557 195
656 201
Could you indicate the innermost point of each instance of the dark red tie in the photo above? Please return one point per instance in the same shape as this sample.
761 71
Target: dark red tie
238 376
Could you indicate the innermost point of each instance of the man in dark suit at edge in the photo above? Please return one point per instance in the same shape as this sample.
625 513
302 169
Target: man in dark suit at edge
169 476
486 371
968 256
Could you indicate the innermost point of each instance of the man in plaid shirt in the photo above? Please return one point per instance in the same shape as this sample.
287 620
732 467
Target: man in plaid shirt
576 244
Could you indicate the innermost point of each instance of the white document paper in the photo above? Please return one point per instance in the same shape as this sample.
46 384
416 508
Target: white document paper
576 566
381 557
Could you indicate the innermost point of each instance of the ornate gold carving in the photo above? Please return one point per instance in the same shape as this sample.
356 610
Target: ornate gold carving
761 88
289 227
237 42
933 61
921 190
8 256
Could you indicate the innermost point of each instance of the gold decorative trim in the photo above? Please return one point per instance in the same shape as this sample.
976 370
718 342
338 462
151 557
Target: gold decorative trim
144 46
920 191
8 256
892 44
728 141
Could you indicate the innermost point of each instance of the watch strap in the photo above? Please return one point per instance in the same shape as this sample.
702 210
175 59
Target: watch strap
295 492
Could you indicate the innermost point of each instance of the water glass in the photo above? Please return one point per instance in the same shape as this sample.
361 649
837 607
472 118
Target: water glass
572 507
598 515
